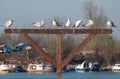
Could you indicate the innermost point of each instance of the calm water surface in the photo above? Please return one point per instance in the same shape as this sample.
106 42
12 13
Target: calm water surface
66 75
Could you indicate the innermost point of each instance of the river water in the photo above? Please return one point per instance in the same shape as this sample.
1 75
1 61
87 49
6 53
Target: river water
65 75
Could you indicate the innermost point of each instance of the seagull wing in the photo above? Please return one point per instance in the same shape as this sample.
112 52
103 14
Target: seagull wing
39 24
87 24
78 23
55 23
68 23
42 23
8 23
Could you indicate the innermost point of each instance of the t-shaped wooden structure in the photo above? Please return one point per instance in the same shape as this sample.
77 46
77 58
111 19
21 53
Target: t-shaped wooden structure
58 63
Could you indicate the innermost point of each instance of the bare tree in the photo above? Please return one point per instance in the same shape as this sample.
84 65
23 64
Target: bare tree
90 10
94 13
102 44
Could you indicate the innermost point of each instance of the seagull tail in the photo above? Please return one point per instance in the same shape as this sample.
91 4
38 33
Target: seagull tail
114 26
73 25
83 25
59 25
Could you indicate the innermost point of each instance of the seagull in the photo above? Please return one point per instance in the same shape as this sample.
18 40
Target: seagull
77 23
110 24
68 23
39 24
8 23
89 24
55 23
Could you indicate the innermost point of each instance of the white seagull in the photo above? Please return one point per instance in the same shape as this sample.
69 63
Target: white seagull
55 23
110 24
68 23
39 24
8 23
77 23
89 24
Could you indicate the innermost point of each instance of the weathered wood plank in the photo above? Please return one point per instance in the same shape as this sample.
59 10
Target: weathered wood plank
58 31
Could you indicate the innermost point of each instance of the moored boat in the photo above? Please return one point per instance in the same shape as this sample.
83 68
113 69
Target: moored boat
4 68
18 68
82 67
40 68
116 68
94 67
3 71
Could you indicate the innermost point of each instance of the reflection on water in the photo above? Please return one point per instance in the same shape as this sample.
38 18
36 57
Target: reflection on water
65 75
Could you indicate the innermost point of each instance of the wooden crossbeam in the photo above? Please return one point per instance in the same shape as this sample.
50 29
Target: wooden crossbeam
38 48
58 31
76 50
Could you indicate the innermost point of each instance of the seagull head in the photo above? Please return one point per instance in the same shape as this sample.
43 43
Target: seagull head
11 20
33 23
68 18
90 21
108 20
54 19
43 23
80 21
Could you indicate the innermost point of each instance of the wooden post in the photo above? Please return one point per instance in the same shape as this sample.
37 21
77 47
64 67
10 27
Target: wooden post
58 55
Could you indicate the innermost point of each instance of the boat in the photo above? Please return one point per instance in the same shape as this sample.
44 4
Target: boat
82 67
11 67
40 68
3 71
18 68
65 69
94 67
4 68
116 68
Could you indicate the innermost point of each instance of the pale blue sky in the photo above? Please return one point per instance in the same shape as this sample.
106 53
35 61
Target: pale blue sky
24 12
